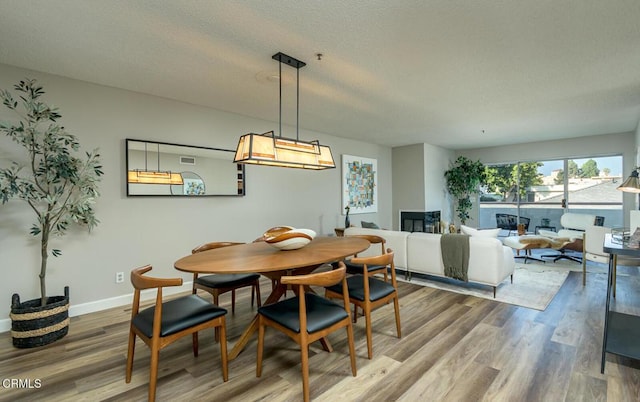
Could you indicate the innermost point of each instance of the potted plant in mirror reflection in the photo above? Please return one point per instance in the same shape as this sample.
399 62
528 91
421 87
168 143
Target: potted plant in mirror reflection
59 187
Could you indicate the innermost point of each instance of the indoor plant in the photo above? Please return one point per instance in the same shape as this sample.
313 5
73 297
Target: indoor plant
59 187
464 179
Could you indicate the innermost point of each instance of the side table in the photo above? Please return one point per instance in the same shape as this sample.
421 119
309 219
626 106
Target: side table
621 331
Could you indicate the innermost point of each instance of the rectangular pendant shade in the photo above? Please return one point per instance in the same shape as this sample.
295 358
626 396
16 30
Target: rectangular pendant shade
267 149
153 177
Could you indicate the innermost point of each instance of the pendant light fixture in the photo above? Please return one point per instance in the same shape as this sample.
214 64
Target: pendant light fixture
271 150
147 176
632 184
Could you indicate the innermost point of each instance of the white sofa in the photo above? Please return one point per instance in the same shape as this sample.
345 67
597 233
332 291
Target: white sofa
490 262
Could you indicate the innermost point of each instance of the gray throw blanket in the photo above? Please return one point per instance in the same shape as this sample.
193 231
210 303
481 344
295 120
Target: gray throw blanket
455 255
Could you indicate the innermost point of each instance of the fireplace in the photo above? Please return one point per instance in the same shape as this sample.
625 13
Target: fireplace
420 221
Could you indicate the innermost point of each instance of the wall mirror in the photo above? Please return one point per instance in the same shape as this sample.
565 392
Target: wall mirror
165 169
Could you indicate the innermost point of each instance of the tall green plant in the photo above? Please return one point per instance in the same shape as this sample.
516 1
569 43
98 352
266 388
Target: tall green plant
464 179
59 187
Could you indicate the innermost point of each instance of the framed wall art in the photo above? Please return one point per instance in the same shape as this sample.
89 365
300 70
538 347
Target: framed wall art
359 184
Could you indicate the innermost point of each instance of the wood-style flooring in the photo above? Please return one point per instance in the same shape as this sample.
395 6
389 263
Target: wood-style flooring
454 348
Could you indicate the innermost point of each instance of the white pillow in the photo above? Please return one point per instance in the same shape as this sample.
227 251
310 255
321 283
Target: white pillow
480 233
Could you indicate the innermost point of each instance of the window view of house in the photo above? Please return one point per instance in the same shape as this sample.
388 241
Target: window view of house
539 192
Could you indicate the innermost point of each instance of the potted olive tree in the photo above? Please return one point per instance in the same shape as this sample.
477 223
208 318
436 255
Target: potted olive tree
59 187
463 180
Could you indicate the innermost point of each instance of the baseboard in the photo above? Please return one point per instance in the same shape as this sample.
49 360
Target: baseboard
104 304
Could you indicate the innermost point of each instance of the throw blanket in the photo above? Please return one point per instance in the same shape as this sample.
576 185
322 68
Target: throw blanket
455 255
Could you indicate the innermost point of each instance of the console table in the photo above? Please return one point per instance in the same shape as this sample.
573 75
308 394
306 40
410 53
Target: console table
621 331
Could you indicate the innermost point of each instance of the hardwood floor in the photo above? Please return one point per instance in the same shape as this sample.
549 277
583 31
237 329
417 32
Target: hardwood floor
454 348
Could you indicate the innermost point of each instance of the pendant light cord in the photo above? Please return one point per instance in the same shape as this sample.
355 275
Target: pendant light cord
297 102
280 82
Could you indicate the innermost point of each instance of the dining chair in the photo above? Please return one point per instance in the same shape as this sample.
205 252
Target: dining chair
307 317
592 251
217 284
369 293
354 268
165 322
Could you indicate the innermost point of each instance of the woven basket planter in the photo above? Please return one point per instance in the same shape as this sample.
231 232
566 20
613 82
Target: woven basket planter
34 325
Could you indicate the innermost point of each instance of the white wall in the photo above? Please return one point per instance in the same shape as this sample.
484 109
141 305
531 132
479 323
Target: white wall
408 180
418 180
158 230
437 160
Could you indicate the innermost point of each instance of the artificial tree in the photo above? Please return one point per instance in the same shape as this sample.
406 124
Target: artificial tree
59 187
463 180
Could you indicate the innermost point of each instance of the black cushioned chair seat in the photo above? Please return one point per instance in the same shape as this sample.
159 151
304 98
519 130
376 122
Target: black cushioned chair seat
226 280
377 288
178 314
321 313
354 269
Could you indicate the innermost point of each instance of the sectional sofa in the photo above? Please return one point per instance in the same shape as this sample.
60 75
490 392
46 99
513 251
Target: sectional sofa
490 262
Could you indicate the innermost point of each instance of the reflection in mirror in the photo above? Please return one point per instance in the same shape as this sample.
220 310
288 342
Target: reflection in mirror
203 171
192 185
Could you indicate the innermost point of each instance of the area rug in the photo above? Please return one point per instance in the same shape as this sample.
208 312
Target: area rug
534 285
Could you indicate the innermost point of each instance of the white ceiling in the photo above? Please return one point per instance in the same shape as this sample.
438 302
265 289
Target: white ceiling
454 73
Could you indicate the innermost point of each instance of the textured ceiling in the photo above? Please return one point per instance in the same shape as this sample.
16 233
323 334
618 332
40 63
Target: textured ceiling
458 74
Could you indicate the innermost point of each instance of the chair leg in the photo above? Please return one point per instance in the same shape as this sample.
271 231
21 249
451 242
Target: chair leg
584 271
233 301
260 347
367 317
215 301
153 372
352 349
396 306
257 288
194 339
304 357
130 352
223 350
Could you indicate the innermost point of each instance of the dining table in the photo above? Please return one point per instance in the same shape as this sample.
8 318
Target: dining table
265 259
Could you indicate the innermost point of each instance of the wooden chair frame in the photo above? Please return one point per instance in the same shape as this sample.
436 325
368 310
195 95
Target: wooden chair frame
216 292
368 305
301 284
374 239
157 342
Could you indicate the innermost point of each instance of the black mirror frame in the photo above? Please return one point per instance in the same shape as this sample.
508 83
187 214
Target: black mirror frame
240 175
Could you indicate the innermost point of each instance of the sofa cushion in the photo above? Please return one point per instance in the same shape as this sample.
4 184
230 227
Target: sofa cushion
369 225
480 232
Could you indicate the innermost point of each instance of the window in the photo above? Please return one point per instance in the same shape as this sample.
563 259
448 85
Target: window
542 191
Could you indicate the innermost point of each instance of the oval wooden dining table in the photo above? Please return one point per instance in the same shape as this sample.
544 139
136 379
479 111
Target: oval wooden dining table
262 258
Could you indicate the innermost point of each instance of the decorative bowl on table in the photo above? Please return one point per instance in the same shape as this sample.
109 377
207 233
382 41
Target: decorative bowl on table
290 239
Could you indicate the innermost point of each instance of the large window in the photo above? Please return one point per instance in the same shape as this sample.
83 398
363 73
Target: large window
539 192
